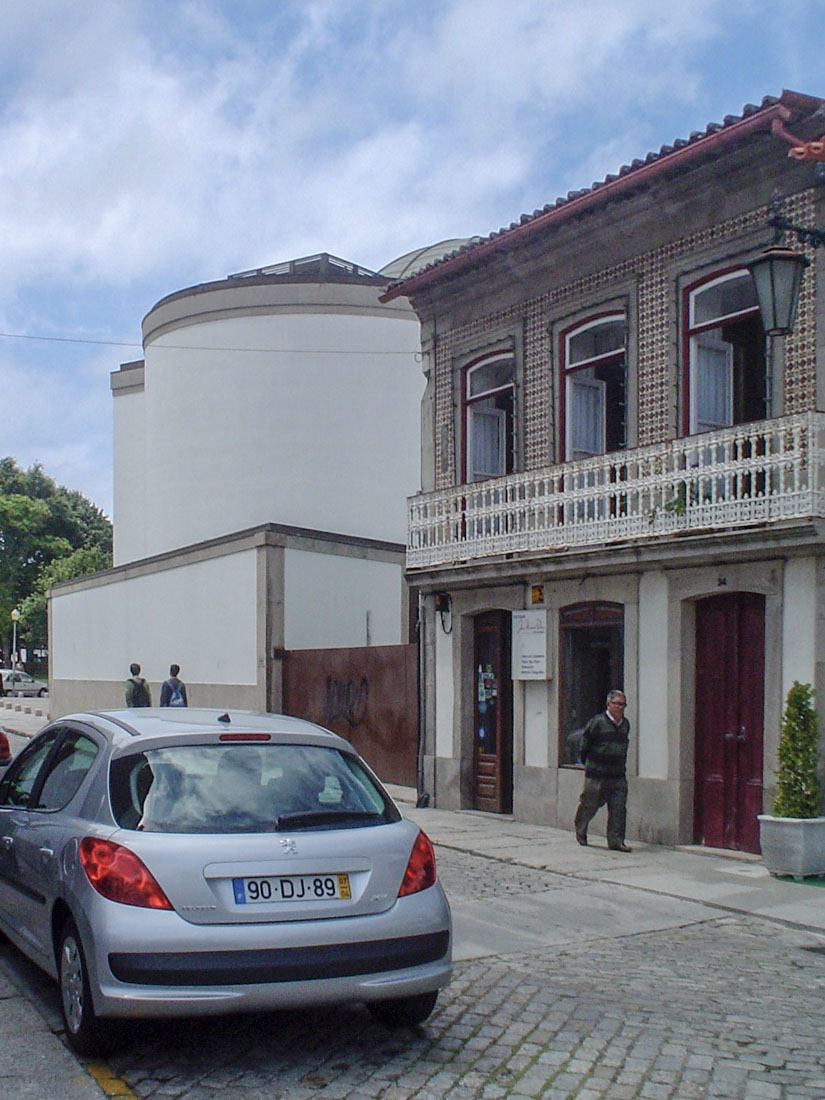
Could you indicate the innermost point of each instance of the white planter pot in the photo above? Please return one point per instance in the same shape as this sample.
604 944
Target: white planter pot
793 846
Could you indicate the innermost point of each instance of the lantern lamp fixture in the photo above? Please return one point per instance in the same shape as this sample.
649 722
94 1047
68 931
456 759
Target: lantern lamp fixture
777 273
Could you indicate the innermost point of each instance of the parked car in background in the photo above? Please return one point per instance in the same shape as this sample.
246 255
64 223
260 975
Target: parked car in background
14 682
185 862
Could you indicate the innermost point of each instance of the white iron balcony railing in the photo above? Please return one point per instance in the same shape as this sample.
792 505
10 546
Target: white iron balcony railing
739 477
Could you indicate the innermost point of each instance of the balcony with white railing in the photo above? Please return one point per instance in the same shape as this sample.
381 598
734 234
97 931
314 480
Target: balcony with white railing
740 477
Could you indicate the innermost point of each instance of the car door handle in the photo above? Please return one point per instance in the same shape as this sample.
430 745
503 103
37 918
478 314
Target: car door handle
47 852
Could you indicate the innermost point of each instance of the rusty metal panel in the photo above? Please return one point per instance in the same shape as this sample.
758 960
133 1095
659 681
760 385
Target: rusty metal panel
369 695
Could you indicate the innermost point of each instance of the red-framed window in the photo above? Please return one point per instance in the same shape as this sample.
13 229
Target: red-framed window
489 417
591 655
724 380
594 386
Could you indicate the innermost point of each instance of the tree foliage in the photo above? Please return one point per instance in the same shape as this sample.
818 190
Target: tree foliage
42 523
797 789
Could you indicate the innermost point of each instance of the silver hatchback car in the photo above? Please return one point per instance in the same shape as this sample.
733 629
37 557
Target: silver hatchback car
13 682
183 862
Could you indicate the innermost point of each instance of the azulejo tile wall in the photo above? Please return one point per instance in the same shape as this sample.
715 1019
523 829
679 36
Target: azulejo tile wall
657 354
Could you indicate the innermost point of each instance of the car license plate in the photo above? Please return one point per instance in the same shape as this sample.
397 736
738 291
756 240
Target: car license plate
252 891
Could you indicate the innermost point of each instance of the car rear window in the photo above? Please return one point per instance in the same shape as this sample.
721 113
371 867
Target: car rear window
244 788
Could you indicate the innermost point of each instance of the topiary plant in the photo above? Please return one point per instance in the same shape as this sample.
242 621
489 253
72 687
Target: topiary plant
797 787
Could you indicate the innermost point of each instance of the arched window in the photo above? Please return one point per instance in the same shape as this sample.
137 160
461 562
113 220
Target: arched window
595 387
591 655
725 379
489 417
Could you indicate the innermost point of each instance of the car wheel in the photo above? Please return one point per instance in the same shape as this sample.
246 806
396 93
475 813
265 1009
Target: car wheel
41 693
404 1011
86 1033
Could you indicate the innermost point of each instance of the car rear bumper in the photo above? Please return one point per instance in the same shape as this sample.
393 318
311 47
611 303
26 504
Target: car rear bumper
172 968
279 964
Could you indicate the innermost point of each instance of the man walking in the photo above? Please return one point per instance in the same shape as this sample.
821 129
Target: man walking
604 755
173 691
138 693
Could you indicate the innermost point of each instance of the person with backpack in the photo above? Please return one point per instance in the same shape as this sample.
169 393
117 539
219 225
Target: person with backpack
173 692
138 693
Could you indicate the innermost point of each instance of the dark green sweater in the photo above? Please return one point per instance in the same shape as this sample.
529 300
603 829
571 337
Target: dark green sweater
604 748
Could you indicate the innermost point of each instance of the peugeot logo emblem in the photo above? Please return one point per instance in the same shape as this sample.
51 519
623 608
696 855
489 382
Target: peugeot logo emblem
289 846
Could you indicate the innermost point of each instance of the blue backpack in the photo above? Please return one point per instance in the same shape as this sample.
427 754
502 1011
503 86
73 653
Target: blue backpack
176 699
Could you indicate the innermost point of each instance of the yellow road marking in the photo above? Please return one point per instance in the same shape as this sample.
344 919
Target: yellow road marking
111 1085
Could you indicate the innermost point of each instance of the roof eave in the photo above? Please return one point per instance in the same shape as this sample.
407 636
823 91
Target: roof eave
791 105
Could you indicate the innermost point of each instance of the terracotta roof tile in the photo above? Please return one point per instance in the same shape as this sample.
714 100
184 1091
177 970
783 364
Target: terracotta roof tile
627 170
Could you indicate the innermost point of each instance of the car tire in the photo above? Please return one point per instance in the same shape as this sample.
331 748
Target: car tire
85 1032
404 1011
41 693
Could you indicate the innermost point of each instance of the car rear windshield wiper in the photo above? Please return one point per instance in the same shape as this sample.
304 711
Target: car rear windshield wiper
306 819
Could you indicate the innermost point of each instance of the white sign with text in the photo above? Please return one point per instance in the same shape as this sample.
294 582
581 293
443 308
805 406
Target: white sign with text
530 645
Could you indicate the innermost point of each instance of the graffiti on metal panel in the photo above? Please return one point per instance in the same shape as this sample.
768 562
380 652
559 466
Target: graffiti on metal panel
347 701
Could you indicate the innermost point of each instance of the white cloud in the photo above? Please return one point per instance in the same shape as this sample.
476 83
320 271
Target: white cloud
145 146
117 156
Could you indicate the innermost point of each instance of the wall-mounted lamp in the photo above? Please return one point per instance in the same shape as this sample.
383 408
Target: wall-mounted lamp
777 274
444 608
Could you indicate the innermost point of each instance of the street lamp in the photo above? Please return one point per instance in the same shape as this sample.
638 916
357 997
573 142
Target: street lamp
15 615
777 273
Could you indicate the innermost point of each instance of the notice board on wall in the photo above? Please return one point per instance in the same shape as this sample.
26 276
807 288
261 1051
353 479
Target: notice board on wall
529 656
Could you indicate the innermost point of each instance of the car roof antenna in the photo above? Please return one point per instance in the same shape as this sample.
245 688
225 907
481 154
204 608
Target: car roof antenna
224 718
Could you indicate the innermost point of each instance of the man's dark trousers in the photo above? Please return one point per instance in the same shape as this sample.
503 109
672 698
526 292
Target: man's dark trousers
597 793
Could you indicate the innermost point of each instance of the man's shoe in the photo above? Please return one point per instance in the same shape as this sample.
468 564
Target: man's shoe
619 847
582 839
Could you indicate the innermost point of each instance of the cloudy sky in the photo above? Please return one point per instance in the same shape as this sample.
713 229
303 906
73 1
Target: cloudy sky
148 145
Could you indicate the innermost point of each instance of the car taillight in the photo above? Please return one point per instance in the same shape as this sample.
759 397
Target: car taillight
420 871
119 875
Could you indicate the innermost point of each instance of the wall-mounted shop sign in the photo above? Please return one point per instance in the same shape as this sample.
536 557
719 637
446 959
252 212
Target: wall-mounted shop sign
529 645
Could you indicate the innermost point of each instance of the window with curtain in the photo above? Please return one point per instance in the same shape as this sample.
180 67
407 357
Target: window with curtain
726 367
489 407
595 387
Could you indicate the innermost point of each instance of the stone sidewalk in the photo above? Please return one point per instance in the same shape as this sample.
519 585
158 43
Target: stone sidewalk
732 882
537 921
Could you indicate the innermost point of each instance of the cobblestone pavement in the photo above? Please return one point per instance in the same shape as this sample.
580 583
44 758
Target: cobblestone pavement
728 1007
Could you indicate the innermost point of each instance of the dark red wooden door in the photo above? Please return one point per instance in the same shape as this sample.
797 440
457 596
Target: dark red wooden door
730 674
492 712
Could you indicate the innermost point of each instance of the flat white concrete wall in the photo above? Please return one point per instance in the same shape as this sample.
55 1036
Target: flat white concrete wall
307 418
200 615
536 723
653 676
332 601
444 692
129 461
799 622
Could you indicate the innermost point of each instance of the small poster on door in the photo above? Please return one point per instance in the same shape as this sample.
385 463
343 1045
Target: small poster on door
529 645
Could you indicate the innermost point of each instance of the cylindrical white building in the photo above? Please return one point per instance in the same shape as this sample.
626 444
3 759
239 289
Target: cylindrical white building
285 395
